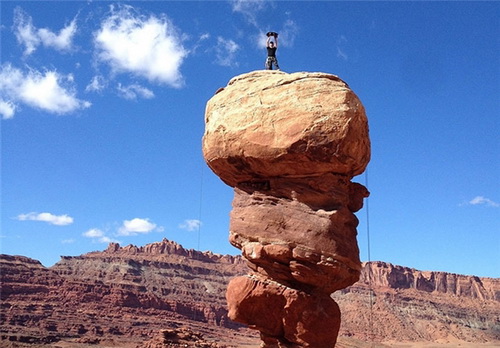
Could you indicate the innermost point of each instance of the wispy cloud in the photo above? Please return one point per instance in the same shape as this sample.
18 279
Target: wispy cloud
146 46
288 33
7 109
134 91
190 225
31 37
68 241
99 236
341 54
138 226
480 200
341 40
60 220
225 52
48 91
97 84
249 9
202 38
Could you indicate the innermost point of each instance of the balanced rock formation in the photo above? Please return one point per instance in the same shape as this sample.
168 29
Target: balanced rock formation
290 144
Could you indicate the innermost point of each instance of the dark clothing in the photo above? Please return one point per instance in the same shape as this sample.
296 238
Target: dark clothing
271 58
271 52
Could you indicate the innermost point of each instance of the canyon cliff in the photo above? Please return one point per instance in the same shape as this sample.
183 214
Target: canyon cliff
139 296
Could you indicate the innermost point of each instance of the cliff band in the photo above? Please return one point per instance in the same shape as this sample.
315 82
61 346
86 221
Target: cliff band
134 295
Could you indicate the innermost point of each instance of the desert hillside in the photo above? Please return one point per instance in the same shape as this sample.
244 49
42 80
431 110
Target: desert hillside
153 295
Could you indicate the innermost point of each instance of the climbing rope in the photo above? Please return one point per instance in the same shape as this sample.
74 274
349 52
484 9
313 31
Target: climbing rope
200 206
369 275
198 225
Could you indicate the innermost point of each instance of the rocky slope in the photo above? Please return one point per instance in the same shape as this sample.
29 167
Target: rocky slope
140 296
121 294
393 303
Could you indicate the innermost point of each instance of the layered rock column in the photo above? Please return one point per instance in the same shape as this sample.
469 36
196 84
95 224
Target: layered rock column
290 144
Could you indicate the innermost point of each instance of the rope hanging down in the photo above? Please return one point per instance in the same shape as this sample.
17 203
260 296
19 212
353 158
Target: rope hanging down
195 314
369 275
200 207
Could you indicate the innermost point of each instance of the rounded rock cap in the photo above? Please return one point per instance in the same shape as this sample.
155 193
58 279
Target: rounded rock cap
273 124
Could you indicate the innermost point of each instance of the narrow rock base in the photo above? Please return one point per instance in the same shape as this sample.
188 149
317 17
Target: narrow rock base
284 316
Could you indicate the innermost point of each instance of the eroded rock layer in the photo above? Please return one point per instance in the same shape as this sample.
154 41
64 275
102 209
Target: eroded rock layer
135 296
290 144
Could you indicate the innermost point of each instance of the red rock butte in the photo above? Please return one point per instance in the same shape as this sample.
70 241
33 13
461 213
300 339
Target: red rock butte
290 144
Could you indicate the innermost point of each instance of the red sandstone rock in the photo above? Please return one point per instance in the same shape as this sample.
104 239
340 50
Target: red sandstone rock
272 124
290 144
177 338
79 302
125 293
284 316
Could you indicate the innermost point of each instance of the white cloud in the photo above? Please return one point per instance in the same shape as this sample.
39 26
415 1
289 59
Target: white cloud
225 52
49 91
97 84
99 236
340 50
31 37
25 31
149 47
93 233
341 54
136 226
68 241
480 200
60 220
200 41
7 109
288 33
286 38
134 91
249 9
62 41
105 239
260 39
191 225
46 92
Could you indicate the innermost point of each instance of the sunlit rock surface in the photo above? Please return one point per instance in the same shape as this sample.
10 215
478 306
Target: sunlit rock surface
290 144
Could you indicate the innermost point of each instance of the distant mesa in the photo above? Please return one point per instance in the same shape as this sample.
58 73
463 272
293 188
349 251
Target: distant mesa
164 248
139 299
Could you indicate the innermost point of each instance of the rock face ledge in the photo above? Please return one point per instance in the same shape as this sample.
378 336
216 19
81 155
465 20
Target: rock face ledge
290 144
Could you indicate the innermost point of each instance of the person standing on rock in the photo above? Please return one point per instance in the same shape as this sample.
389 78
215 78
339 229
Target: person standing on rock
272 46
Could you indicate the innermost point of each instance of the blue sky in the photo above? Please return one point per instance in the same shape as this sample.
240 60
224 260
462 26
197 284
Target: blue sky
102 106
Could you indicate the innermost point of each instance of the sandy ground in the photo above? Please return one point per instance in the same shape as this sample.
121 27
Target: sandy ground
353 344
342 343
445 345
